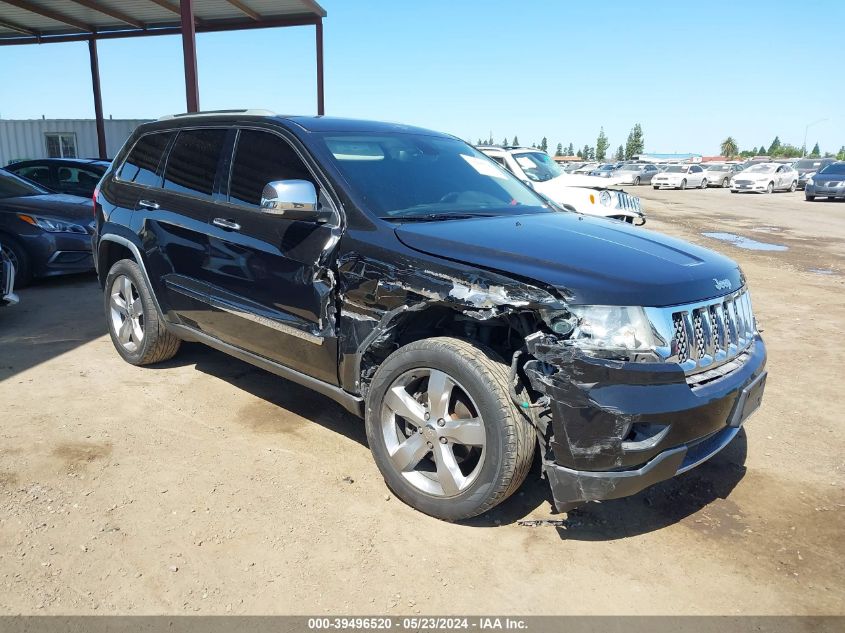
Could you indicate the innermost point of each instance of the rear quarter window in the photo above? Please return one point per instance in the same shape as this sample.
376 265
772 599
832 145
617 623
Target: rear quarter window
141 166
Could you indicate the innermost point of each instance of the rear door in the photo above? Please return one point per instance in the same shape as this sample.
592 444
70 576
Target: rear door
172 221
269 278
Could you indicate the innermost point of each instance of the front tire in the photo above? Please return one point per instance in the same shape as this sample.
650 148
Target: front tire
704 183
444 431
136 329
793 187
726 183
770 188
809 198
19 258
683 184
636 181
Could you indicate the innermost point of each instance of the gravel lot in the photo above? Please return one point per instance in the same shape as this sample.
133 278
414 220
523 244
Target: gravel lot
207 486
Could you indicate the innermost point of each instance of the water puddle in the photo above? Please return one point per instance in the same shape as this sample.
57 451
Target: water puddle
746 242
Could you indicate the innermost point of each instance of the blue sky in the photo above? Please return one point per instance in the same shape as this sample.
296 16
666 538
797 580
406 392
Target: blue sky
690 72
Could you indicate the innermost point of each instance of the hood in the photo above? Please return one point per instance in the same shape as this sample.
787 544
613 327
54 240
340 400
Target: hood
54 205
828 177
574 180
755 176
671 174
591 260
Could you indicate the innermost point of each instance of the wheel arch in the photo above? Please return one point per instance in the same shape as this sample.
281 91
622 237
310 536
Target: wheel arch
111 249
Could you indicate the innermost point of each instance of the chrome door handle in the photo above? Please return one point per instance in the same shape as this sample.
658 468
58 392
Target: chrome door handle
226 224
149 204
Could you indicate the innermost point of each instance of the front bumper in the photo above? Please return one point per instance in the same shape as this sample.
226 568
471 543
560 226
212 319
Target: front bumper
58 253
825 191
757 186
617 428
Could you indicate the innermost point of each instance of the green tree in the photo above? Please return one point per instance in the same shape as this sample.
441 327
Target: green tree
559 150
841 154
635 143
515 141
601 145
774 147
480 142
729 148
620 153
580 154
544 144
570 151
586 152
505 141
816 151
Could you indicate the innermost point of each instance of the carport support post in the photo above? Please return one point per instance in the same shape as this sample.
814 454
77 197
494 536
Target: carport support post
98 97
321 105
189 48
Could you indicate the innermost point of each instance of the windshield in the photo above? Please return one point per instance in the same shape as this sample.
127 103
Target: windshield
716 168
12 186
676 169
538 166
834 168
415 175
761 169
808 163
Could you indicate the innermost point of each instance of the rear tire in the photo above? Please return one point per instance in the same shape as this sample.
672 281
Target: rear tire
793 187
136 329
413 452
19 258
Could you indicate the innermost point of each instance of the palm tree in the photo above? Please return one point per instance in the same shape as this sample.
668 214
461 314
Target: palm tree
729 148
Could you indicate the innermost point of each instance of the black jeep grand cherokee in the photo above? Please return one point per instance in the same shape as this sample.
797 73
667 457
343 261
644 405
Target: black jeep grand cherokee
409 277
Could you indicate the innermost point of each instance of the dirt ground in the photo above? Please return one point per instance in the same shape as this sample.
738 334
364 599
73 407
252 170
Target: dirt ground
207 486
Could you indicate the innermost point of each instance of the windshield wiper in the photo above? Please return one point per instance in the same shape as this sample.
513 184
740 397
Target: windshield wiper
435 217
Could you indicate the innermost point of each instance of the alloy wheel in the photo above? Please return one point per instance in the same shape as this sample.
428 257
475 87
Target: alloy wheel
126 310
433 432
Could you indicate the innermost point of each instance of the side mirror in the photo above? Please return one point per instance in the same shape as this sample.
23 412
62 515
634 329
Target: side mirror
293 200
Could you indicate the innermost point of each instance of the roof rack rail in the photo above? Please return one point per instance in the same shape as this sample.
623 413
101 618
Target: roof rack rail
248 111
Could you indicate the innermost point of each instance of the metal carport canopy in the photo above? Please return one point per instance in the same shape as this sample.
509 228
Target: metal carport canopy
45 21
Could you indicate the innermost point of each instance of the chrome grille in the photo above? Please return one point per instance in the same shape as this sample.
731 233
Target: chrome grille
706 335
628 202
744 182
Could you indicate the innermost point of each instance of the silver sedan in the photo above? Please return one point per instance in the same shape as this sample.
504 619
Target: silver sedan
720 174
636 173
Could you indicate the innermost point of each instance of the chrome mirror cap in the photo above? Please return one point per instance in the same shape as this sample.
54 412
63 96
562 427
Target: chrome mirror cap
289 197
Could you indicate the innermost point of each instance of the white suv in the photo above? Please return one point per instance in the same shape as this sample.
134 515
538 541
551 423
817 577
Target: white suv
586 194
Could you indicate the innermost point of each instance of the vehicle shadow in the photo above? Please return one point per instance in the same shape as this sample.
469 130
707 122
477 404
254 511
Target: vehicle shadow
54 316
663 504
273 389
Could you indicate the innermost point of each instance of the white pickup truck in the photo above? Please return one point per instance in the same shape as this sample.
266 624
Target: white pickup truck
590 195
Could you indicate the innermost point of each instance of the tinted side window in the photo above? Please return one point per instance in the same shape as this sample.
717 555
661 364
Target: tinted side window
260 158
41 175
192 162
142 163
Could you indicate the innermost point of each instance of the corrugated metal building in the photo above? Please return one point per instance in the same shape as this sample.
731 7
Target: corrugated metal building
23 139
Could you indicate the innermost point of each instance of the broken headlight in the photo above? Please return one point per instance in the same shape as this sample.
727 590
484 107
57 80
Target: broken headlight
608 331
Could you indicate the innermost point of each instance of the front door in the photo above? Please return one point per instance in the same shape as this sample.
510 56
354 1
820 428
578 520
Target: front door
269 279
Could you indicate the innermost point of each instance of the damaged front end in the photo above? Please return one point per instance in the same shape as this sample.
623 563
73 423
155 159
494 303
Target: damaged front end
633 401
